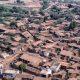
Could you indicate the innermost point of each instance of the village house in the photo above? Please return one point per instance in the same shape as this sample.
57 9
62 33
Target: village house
10 74
73 73
59 75
46 72
32 59
4 55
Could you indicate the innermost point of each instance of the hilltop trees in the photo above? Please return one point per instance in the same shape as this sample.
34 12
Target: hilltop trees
13 25
6 11
15 9
76 10
55 9
2 8
45 4
55 13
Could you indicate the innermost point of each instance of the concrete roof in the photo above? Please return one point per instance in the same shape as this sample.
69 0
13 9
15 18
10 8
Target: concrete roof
33 59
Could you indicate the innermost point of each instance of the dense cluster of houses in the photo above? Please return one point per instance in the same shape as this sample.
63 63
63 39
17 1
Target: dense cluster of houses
48 52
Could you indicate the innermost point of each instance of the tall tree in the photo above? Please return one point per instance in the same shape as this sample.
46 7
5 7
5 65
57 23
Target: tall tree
13 25
72 25
57 50
22 67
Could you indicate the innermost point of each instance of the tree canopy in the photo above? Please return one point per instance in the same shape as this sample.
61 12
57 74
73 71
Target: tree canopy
72 25
57 50
13 25
22 67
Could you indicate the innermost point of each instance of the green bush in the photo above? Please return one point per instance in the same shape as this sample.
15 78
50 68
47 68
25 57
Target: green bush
72 25
22 67
13 25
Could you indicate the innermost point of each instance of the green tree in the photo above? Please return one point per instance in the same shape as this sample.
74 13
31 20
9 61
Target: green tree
45 4
41 11
72 25
2 8
13 25
1 20
76 10
15 9
59 21
57 50
22 67
55 9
